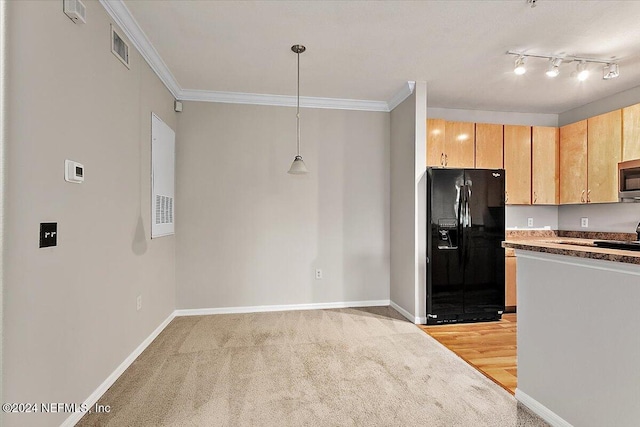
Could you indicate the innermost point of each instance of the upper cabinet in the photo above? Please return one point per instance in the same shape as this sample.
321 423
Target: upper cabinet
435 142
573 163
459 145
517 164
545 165
489 146
450 144
631 132
604 141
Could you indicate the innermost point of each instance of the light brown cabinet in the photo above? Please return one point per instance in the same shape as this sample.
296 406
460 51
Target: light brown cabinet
573 163
517 164
450 144
489 146
631 132
604 141
545 165
510 291
435 142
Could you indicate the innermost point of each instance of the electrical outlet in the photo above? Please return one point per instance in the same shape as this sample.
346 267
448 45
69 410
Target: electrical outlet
529 222
318 274
139 303
584 222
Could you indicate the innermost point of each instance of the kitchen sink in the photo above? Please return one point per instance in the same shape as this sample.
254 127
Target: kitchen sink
629 245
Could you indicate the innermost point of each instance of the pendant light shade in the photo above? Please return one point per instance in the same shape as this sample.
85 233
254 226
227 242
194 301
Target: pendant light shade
298 167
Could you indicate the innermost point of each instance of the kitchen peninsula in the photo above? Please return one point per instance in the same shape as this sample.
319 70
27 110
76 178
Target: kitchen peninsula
578 345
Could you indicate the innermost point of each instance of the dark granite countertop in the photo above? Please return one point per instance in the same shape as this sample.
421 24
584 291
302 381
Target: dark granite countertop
577 245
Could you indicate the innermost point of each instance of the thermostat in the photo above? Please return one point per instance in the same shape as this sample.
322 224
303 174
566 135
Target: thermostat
73 172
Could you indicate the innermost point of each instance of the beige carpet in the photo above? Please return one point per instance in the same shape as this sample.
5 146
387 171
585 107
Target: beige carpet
343 367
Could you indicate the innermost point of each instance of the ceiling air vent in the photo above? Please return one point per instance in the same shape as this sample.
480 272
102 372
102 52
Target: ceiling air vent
75 10
119 47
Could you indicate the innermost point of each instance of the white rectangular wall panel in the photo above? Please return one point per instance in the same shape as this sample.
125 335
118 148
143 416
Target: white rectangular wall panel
163 157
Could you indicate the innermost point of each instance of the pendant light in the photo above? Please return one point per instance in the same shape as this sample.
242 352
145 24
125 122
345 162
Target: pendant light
298 167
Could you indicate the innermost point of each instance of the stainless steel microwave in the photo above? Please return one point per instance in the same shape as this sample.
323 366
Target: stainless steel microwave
629 181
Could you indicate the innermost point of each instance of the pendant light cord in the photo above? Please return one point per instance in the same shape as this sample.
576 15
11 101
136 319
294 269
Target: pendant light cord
298 109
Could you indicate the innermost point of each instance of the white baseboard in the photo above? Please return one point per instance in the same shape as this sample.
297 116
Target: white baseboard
413 319
286 307
93 398
540 410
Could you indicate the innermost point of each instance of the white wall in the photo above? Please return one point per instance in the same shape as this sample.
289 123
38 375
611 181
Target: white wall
403 206
70 311
249 234
578 346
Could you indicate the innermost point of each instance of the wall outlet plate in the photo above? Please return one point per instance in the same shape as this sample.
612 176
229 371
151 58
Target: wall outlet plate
529 222
318 273
138 302
48 234
584 222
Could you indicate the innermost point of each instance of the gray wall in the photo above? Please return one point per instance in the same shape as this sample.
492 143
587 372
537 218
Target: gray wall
614 217
497 117
601 106
70 311
570 358
249 234
403 205
543 216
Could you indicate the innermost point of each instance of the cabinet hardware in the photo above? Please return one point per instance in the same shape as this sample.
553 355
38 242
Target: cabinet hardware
589 196
446 160
535 197
506 197
441 159
582 196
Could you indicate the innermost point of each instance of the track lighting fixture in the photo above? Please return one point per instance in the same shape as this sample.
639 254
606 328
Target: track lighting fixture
582 72
519 68
611 70
554 67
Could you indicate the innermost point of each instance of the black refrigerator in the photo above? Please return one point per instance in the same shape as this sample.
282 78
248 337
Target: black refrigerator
465 257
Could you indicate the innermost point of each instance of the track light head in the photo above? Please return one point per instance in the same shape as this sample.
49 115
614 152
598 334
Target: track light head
611 71
554 67
519 67
582 72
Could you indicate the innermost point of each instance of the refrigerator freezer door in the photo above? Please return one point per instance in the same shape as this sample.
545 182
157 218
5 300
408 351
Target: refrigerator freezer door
445 203
482 241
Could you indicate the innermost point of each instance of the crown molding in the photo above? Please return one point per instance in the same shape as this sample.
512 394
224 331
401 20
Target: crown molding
404 92
281 100
122 16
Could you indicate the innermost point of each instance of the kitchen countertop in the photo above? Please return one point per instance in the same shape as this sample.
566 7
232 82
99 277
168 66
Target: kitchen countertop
571 246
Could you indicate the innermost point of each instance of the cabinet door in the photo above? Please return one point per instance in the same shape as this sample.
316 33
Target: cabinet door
435 142
510 292
489 146
517 164
573 163
604 141
459 144
631 132
545 167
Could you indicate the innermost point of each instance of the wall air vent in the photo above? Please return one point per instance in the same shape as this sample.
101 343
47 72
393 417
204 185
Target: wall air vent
164 209
119 47
75 10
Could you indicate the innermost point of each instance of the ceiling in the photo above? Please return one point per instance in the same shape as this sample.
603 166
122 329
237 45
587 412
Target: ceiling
367 50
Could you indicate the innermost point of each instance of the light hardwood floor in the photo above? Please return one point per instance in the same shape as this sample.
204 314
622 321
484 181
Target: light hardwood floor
490 347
